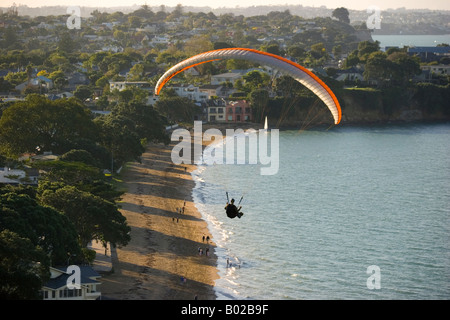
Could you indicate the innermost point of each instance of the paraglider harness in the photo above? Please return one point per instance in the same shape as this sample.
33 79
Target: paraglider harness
233 211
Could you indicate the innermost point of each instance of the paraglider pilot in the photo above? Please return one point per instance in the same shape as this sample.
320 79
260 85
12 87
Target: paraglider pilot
233 211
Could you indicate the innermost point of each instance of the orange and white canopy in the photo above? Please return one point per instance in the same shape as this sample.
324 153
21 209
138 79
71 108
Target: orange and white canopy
296 71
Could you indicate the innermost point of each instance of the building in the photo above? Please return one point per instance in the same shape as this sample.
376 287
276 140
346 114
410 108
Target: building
39 81
238 111
189 91
16 176
56 288
439 69
428 54
351 74
215 90
225 77
122 85
216 111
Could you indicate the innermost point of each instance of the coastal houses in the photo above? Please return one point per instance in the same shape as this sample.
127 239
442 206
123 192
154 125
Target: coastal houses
122 85
56 288
239 111
429 54
38 81
231 77
17 176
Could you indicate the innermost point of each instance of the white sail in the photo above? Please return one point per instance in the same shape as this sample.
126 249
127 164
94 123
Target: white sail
266 125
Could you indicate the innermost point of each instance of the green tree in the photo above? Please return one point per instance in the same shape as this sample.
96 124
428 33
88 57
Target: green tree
66 43
406 66
92 216
259 100
365 48
318 51
137 72
177 109
16 78
52 125
117 134
352 59
83 156
341 14
148 123
102 82
70 172
198 44
43 226
255 80
273 48
59 79
83 92
23 267
378 68
297 52
10 37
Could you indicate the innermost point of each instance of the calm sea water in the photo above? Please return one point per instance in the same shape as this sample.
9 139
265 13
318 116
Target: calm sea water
411 40
343 200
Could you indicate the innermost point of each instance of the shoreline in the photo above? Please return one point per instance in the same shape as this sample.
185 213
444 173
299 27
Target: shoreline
162 260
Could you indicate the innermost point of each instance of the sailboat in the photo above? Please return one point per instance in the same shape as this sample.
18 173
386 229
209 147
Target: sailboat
266 126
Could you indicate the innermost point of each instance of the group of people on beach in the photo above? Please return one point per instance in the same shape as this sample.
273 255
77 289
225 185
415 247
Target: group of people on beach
180 211
200 251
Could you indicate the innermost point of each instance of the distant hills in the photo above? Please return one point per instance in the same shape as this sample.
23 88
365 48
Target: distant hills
394 21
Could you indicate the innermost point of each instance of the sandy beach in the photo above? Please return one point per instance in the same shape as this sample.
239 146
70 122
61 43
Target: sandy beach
162 260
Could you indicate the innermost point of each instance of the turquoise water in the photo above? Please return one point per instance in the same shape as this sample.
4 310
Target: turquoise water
343 200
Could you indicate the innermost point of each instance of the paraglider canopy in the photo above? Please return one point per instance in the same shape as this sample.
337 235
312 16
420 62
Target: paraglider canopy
296 71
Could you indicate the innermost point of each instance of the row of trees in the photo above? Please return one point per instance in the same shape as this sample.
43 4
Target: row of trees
394 66
62 125
74 202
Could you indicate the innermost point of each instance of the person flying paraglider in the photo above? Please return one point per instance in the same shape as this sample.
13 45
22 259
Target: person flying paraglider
233 211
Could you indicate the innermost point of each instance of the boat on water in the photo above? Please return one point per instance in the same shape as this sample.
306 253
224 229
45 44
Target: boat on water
266 126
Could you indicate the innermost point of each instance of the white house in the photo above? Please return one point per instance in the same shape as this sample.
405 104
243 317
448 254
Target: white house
37 81
160 40
439 69
211 90
16 176
152 99
112 48
225 77
56 288
189 91
351 74
122 85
